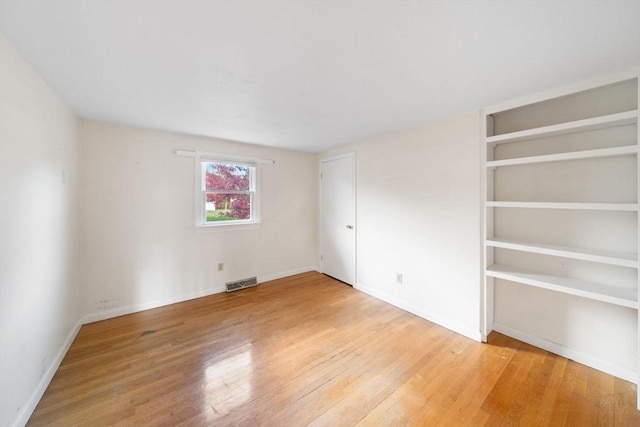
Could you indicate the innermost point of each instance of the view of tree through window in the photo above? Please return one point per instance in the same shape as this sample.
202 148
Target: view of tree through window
228 190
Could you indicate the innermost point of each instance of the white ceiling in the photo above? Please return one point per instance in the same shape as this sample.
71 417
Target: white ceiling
310 75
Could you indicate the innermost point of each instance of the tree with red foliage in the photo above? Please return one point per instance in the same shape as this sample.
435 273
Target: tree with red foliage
226 177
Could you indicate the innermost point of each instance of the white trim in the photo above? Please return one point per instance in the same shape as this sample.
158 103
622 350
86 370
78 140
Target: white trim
487 225
226 226
27 409
229 225
437 319
560 350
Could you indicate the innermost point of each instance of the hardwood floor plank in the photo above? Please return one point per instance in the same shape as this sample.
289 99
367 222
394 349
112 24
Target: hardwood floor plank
318 388
409 397
361 398
308 350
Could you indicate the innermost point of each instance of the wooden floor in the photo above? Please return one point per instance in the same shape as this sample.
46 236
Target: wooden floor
308 350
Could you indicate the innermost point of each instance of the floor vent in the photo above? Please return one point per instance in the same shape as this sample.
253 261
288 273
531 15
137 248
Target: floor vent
241 284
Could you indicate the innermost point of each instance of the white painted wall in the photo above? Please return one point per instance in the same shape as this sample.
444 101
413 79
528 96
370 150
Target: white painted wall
39 217
140 246
418 214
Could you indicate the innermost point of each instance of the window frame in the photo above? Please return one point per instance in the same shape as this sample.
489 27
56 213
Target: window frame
201 159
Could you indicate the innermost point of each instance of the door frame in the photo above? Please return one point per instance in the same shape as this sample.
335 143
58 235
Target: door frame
352 156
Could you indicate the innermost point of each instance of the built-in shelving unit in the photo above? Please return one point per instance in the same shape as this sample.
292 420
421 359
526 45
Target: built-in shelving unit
561 219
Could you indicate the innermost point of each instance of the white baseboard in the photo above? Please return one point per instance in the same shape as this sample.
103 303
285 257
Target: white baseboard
277 276
28 408
583 358
121 311
446 323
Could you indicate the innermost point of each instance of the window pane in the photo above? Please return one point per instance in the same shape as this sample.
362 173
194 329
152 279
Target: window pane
228 207
225 177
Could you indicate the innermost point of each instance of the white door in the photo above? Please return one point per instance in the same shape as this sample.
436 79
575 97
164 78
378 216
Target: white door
337 217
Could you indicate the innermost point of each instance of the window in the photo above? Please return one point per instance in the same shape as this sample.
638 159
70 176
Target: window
227 193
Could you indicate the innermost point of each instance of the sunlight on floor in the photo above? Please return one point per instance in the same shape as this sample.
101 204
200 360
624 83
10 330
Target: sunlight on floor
229 381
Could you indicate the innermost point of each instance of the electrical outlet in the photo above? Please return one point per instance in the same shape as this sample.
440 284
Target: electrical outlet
399 277
220 266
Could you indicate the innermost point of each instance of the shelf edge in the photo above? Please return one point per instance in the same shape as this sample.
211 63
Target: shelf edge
615 207
611 120
627 150
563 253
558 287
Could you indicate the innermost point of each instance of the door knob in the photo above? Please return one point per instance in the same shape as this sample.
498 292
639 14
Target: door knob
350 227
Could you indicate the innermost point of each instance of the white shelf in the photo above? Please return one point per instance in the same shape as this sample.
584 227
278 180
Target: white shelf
626 297
612 120
623 207
573 155
603 257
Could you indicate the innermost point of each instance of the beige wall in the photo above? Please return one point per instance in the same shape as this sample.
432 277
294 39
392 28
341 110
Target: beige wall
39 225
418 214
140 246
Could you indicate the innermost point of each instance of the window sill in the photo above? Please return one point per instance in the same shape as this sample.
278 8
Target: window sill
206 228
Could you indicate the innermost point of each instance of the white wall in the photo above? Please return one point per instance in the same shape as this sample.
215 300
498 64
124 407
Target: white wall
140 246
418 214
39 293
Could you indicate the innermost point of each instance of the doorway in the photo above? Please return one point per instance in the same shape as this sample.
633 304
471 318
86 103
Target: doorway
338 217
